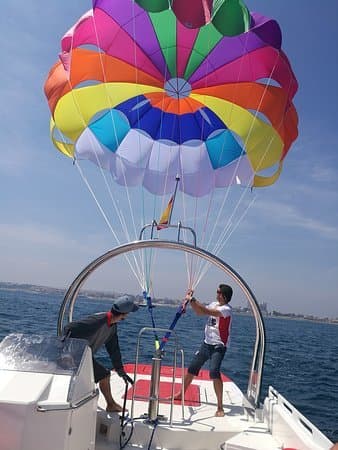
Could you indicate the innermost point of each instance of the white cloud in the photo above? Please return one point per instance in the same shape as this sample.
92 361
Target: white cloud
11 163
45 255
324 174
290 216
44 237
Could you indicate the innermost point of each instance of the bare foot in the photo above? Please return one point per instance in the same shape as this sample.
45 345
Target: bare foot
220 413
177 396
114 407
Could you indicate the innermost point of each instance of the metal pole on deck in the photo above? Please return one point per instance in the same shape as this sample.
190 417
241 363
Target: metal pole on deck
154 386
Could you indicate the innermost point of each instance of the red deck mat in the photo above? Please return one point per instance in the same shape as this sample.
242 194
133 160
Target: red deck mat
142 388
167 371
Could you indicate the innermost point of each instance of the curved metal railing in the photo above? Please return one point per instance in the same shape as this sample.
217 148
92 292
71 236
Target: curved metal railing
255 377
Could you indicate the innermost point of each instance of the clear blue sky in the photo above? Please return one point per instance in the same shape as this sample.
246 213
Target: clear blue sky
287 245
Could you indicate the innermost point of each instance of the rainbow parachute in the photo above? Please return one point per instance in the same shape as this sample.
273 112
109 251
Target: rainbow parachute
152 89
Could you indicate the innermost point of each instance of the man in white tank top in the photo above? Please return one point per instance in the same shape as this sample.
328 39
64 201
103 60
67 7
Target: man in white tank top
216 340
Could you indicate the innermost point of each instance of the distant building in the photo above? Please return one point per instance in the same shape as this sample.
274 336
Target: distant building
263 307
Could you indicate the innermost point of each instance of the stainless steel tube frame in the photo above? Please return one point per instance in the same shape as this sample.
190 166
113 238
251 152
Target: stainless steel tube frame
42 407
255 378
155 376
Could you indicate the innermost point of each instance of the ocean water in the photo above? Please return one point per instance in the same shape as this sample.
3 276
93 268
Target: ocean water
301 359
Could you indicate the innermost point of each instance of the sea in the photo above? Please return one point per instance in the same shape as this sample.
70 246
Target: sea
301 360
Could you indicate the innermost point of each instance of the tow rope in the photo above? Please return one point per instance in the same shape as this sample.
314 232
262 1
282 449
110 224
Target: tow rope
181 310
150 306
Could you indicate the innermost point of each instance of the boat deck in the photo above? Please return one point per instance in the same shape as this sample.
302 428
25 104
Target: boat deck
192 426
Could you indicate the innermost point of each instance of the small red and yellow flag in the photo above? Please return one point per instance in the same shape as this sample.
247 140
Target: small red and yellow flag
164 220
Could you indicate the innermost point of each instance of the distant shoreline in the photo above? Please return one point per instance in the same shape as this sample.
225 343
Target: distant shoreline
38 289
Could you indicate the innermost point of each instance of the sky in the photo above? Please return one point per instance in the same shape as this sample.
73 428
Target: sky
286 246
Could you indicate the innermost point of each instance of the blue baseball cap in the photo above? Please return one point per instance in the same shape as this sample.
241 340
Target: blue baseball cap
124 304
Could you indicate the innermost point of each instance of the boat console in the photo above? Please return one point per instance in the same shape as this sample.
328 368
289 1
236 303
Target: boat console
48 398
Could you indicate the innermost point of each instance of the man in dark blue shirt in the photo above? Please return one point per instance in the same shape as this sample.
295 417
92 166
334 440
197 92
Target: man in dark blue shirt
101 329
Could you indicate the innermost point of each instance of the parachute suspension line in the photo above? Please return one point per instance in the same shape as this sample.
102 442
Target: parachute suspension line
137 111
218 217
185 219
85 180
192 261
232 229
136 269
145 254
187 264
231 226
116 138
118 211
199 262
152 255
204 230
138 135
188 260
184 212
211 194
256 114
224 237
101 170
105 217
166 71
227 228
219 243
258 109
228 231
136 256
281 120
148 261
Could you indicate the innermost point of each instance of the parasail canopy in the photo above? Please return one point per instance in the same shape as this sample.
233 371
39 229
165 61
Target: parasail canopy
152 89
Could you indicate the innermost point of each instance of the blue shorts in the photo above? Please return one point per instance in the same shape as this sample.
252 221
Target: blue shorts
215 353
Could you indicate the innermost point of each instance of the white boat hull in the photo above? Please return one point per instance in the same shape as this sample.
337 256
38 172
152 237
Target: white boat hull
277 425
49 401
